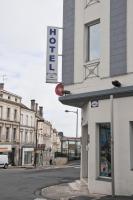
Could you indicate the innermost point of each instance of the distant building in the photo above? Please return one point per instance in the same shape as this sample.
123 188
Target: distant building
25 135
10 125
71 147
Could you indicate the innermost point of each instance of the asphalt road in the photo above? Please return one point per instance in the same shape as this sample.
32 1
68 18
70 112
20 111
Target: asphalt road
25 184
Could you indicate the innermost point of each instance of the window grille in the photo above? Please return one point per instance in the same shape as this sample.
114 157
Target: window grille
91 69
91 2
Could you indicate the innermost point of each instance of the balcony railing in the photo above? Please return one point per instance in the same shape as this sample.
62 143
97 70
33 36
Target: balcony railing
92 69
91 2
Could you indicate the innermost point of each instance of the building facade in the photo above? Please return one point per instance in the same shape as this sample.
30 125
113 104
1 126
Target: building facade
10 125
27 135
98 72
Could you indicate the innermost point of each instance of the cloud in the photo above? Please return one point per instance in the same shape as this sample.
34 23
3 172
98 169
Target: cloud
23 29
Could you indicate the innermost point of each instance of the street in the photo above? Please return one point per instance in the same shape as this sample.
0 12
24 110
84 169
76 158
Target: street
25 184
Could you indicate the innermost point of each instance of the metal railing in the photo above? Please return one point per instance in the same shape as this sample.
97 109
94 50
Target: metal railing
92 69
91 2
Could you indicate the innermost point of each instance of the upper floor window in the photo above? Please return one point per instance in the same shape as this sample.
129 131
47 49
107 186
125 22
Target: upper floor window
1 108
16 99
94 40
31 121
15 114
8 113
26 137
9 97
22 119
14 134
27 120
7 134
0 132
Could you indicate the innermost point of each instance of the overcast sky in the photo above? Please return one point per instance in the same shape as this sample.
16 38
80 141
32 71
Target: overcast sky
23 33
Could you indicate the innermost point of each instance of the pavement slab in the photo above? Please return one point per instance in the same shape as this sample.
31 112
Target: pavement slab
76 191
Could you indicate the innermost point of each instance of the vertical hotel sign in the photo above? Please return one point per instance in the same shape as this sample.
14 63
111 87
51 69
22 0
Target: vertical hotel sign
52 55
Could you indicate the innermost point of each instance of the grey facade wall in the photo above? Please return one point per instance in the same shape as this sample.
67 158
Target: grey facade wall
68 42
118 37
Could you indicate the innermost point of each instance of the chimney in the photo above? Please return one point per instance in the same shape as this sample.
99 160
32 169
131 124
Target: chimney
1 86
41 111
33 104
36 107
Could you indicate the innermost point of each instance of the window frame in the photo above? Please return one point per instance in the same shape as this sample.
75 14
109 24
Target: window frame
90 24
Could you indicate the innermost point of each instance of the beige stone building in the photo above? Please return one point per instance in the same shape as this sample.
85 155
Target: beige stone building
10 125
24 132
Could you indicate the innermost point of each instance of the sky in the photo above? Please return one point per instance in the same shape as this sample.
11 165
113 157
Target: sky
23 41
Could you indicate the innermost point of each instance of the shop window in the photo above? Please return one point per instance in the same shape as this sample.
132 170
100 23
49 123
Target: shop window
94 40
104 150
28 157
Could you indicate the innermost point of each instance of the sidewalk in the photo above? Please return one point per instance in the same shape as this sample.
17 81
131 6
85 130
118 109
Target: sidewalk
75 191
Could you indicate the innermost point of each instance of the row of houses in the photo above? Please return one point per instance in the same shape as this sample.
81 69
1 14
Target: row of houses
24 133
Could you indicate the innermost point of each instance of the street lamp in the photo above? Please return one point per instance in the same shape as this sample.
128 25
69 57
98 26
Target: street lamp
75 112
36 143
116 84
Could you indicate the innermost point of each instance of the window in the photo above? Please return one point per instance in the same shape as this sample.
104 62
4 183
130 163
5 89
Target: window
21 118
16 99
1 108
104 150
9 97
31 137
31 120
94 40
0 133
27 157
14 134
27 120
21 132
15 114
26 137
8 113
7 134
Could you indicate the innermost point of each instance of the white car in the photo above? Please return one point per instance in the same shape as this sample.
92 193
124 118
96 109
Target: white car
4 161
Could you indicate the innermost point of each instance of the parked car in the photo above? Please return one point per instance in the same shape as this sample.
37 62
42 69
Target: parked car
4 161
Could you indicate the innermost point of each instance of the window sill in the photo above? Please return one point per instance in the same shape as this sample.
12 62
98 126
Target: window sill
106 179
92 62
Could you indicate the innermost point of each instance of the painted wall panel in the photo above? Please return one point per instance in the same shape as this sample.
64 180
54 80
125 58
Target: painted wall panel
118 37
68 42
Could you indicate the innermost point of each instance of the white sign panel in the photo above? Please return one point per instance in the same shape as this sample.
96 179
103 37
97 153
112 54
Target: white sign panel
52 55
94 104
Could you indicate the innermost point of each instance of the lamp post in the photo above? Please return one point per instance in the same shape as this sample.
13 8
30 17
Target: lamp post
75 112
36 142
116 84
